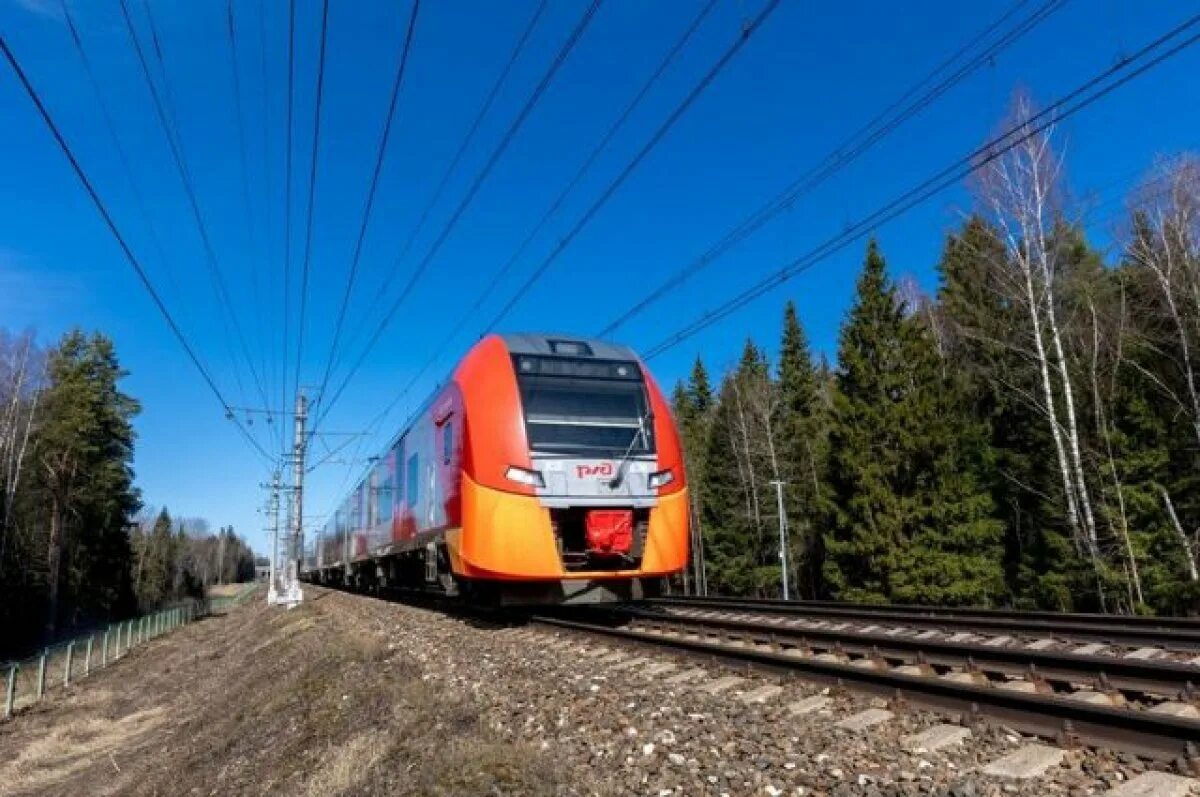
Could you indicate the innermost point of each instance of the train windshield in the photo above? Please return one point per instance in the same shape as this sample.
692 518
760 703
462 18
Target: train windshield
587 416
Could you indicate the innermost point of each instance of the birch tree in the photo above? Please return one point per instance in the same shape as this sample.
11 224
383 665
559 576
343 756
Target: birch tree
1019 189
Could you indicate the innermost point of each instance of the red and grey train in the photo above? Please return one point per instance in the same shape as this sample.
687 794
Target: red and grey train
545 470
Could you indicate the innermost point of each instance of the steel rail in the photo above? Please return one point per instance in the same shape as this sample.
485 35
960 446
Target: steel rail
1106 674
1071 722
1085 618
1177 633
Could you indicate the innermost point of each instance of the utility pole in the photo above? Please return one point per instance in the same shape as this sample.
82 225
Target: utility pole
272 584
783 557
289 590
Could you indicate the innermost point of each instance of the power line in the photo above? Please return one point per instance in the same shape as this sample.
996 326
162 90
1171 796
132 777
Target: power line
716 69
705 81
1066 106
122 155
847 151
530 103
175 146
116 233
381 151
312 188
619 122
235 71
470 135
287 204
583 169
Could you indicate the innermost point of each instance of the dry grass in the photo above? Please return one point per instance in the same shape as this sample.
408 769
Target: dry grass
327 709
225 590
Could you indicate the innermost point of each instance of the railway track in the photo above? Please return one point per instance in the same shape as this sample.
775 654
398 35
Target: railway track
1145 707
1175 634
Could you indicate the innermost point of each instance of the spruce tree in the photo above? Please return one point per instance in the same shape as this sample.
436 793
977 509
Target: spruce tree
725 503
907 518
801 422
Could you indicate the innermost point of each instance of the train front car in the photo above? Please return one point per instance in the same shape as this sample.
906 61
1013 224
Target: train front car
573 488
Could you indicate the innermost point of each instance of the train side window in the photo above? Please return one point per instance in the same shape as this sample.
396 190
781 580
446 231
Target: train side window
447 442
413 481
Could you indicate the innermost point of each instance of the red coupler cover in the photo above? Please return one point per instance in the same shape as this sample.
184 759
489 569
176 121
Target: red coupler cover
609 530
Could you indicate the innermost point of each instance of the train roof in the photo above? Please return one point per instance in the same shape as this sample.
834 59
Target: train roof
551 345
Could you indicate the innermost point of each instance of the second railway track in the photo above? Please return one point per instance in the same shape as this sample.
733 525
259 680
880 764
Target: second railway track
1145 707
1178 634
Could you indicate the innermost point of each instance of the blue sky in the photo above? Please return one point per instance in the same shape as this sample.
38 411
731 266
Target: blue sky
811 76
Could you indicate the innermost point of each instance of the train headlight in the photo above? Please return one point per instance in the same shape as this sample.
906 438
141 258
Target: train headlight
660 479
530 478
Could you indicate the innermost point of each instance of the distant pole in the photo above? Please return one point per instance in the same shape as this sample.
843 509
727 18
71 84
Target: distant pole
221 556
783 557
272 580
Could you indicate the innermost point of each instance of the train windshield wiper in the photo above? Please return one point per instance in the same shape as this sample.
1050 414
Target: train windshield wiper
616 480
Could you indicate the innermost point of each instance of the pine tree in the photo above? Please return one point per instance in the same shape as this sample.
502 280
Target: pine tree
85 447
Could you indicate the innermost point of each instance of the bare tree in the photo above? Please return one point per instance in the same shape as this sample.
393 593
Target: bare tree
22 377
1168 249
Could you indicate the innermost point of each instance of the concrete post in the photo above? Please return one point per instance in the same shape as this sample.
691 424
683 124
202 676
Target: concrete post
87 657
67 669
41 679
10 693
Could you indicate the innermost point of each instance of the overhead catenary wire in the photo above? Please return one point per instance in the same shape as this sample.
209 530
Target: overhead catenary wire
452 165
1092 90
617 124
506 139
130 257
579 174
243 160
850 149
369 204
122 155
701 85
287 205
175 146
312 188
747 31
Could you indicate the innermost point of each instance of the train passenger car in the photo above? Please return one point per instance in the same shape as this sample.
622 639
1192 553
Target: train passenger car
545 470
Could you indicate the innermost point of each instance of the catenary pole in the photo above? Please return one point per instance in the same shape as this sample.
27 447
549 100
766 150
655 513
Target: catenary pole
292 594
273 583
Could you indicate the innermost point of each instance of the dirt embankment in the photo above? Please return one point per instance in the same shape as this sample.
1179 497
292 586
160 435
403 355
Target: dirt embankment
312 701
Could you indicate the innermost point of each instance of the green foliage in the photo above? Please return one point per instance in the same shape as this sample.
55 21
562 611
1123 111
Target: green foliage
801 421
908 520
68 560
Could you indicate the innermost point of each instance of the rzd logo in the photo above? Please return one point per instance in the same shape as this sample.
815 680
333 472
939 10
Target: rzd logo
603 470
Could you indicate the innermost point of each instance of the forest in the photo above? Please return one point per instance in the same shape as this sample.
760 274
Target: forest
1026 436
77 547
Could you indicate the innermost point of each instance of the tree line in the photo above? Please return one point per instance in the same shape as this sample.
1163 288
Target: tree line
1027 436
76 547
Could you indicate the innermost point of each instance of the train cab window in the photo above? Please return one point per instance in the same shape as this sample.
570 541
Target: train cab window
586 416
413 481
447 442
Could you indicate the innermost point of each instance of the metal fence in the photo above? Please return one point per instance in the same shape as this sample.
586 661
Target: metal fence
27 681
